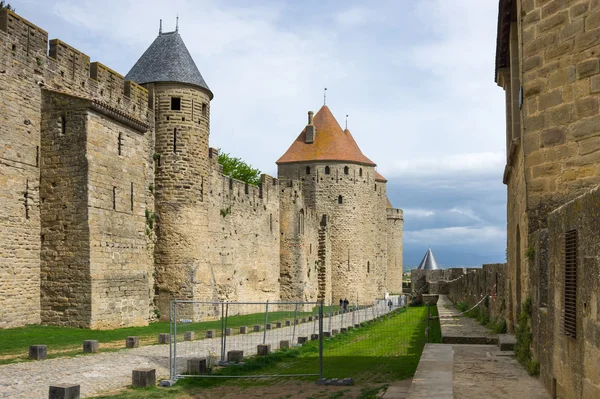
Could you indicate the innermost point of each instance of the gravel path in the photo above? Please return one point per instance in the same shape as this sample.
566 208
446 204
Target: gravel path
112 370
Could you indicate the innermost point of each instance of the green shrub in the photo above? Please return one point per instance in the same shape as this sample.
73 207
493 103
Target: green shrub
524 339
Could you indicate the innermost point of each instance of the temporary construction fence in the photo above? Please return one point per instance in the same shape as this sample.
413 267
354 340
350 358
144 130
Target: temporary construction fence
210 339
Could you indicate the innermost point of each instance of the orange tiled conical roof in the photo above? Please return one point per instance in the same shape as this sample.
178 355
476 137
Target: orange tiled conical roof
380 178
331 143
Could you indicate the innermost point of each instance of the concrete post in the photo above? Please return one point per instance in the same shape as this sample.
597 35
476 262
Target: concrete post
132 342
263 350
64 391
38 352
235 356
90 346
188 336
164 338
143 378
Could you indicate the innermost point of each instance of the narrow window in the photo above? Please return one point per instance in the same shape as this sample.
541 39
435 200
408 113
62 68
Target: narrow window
174 140
120 143
340 199
175 103
37 155
346 170
301 222
114 198
62 125
570 292
308 170
310 249
131 192
368 267
204 109
360 172
26 199
192 109
327 170
271 222
375 186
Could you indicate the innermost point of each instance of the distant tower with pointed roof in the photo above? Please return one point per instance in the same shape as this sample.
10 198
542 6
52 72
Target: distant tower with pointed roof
340 185
428 262
181 99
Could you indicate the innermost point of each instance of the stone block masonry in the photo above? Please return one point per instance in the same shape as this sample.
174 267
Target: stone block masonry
112 203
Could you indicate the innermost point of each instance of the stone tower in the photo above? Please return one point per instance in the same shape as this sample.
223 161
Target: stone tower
181 100
341 186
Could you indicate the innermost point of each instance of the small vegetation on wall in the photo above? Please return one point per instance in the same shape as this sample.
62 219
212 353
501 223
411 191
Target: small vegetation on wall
225 211
524 339
530 254
150 218
6 5
236 168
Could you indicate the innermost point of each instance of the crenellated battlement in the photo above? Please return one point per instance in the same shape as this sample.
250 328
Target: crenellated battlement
64 68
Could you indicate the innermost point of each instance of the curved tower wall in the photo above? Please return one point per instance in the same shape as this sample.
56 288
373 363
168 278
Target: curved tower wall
395 221
181 173
357 225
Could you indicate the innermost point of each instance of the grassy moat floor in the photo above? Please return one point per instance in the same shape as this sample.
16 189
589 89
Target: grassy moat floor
375 355
68 341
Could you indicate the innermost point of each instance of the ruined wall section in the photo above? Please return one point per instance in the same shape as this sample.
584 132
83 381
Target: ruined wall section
241 248
121 259
305 248
561 83
395 222
358 244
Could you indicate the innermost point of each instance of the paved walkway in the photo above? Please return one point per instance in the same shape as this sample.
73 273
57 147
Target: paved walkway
109 371
461 329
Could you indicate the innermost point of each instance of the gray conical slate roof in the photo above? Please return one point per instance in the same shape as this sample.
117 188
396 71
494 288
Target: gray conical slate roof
167 60
428 262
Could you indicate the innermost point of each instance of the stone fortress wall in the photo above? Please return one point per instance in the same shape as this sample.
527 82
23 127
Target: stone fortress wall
113 204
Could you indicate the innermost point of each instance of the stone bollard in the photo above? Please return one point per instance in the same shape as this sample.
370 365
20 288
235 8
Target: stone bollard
304 320
64 391
196 366
188 336
310 318
317 318
38 352
288 323
349 328
164 338
235 356
263 350
143 378
210 333
228 332
284 344
343 330
296 321
256 327
335 331
268 326
302 340
314 337
132 342
326 334
90 346
278 324
243 330
356 325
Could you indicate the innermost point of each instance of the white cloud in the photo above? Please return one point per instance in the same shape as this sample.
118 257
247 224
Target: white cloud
352 17
486 235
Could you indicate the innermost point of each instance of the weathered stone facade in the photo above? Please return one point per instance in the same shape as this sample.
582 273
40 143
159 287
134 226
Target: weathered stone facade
547 62
113 204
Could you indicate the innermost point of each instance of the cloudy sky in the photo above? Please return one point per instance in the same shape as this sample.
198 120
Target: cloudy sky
415 77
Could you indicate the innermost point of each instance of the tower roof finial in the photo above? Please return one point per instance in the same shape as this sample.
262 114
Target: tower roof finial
325 96
177 24
160 28
346 121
